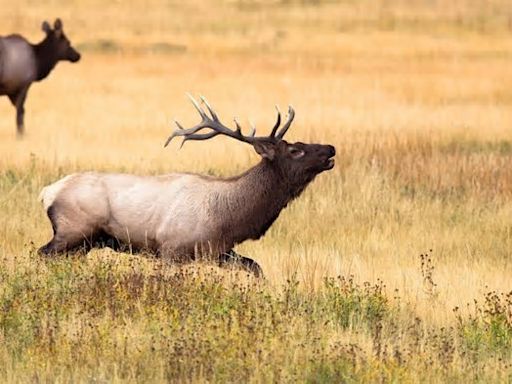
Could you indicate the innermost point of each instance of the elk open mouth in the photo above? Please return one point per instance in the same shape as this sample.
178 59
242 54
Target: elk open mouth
328 164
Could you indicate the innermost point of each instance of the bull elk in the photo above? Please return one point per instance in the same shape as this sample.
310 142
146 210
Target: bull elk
22 63
181 216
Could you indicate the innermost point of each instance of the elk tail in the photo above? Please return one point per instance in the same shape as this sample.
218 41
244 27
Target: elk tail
50 192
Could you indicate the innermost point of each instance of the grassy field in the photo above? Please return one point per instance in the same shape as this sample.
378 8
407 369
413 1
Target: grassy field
394 267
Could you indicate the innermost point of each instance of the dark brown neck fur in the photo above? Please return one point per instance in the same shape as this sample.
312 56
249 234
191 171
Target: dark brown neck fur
253 201
45 57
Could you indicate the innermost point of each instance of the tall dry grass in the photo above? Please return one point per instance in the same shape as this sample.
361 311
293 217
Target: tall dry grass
416 97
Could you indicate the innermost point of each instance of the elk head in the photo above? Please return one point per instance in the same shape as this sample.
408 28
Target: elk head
297 163
58 43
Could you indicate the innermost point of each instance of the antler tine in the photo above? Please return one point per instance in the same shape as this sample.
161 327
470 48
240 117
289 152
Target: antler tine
197 106
199 136
238 128
277 124
253 129
210 109
183 132
291 116
168 140
178 124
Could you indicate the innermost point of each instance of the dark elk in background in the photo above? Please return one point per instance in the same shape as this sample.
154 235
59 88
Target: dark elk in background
22 63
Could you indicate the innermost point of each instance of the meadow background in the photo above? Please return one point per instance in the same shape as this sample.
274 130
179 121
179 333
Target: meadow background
394 267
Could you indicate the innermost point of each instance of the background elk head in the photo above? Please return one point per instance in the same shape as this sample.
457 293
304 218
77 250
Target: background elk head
58 43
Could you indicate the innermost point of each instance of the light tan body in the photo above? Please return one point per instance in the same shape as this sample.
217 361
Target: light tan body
176 215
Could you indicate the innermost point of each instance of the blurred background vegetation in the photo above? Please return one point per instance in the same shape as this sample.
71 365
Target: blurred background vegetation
395 266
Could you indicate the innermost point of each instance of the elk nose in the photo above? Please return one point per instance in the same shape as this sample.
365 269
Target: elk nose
332 150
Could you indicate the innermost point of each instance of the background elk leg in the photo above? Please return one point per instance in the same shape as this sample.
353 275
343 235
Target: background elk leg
18 100
231 258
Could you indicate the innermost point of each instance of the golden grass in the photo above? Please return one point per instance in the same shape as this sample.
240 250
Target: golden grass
416 97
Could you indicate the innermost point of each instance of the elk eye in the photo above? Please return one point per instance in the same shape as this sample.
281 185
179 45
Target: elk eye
296 153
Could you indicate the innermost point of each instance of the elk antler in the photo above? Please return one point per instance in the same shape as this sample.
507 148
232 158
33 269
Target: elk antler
217 128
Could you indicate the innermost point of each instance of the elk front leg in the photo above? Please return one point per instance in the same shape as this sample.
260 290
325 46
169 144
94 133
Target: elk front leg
18 100
231 258
176 255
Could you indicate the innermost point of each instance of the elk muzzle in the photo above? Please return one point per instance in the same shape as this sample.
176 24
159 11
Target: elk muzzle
73 55
328 152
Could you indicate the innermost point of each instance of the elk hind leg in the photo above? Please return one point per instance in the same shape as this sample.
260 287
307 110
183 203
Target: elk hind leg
231 258
68 237
59 245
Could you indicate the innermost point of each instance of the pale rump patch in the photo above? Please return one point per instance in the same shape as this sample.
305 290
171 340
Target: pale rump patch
49 193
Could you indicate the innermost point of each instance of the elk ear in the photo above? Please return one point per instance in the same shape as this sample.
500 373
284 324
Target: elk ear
58 24
266 149
46 27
